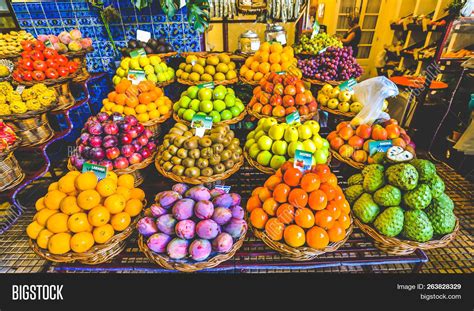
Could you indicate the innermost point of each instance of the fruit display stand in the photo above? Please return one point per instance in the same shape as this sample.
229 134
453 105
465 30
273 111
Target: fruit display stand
11 173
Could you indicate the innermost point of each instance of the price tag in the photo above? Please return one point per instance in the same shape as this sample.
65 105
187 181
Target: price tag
293 118
20 89
99 170
208 85
48 44
201 123
316 28
137 52
143 36
303 160
280 72
322 50
136 76
347 85
379 146
224 188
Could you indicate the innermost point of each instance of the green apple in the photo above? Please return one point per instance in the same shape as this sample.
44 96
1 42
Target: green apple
309 146
293 146
261 121
265 143
226 115
254 151
143 61
314 126
304 131
184 102
276 131
277 161
322 99
332 103
229 100
121 72
125 63
356 107
176 106
264 157
251 135
259 134
219 105
192 91
291 134
161 77
279 147
158 68
249 142
240 106
326 89
325 144
189 114
181 112
205 94
229 91
194 104
320 157
149 70
235 111
267 123
155 60
219 92
343 107
152 77
318 141
205 106
216 116
334 93
344 96
135 63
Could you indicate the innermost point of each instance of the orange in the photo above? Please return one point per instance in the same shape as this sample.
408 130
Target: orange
254 66
334 209
298 198
332 180
249 61
103 233
324 219
111 96
57 223
323 171
42 216
120 99
243 70
82 242
270 206
294 236
133 207
125 192
275 68
258 218
310 182
66 183
280 193
137 193
115 203
344 220
264 67
274 229
274 58
98 216
264 194
344 206
304 217
337 232
78 223
272 182
317 200
43 238
276 47
122 86
292 176
141 109
126 181
69 205
286 213
329 190
120 221
317 237
86 181
263 58
131 102
265 46
253 202
59 243
53 198
73 173
88 199
53 186
33 230
249 74
106 187
257 76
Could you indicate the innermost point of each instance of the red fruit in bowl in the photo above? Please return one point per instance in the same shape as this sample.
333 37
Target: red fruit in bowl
379 133
299 86
288 101
27 45
356 142
303 110
27 64
62 60
346 132
142 140
39 65
72 67
111 128
52 73
336 143
127 150
136 145
276 100
135 158
393 131
140 128
39 46
313 107
112 153
120 163
132 120
102 116
151 145
148 133
37 55
50 53
51 63
406 138
17 76
108 164
364 131
126 139
109 141
38 75
290 90
63 71
133 132
97 154
95 141
145 153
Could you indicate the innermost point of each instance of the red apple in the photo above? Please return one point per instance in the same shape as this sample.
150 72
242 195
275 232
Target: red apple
120 163
127 150
135 158
126 139
142 140
112 153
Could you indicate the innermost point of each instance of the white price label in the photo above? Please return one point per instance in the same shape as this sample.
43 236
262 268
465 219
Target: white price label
20 89
143 35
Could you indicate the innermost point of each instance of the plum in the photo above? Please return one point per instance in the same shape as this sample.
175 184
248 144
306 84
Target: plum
157 210
146 226
237 212
235 199
198 193
204 209
236 227
158 242
216 192
167 198
222 243
200 249
166 223
221 215
183 209
180 188
223 200
207 229
177 248
185 229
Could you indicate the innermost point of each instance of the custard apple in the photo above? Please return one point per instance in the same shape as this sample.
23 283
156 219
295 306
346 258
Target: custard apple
417 226
436 185
379 157
355 180
366 209
444 201
390 221
426 169
403 176
418 198
353 193
442 219
388 196
373 180
372 167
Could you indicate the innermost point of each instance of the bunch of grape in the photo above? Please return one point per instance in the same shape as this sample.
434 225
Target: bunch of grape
335 64
317 43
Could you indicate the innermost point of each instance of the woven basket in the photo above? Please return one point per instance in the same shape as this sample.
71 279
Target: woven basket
188 266
33 130
396 246
83 74
82 52
319 82
224 82
197 180
302 253
303 118
350 162
11 173
237 119
98 254
202 53
65 98
250 82
337 112
166 83
29 114
164 55
50 82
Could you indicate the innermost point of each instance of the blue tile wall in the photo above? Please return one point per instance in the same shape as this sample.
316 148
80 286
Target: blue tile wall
52 17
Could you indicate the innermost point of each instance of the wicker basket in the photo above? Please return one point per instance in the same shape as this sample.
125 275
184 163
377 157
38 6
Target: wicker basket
350 162
338 113
303 118
258 166
33 131
396 246
319 82
224 82
80 53
11 173
250 82
237 119
155 124
203 53
164 55
166 83
188 266
50 82
65 98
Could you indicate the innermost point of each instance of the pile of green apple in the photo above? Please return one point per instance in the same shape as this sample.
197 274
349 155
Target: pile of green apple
271 143
155 69
335 99
220 103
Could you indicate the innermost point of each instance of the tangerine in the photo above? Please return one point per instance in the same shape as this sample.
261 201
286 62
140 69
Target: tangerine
286 213
115 203
324 219
298 198
88 199
53 186
344 220
275 67
133 207
43 238
317 238
86 181
264 194
78 223
294 236
66 184
323 172
292 176
304 218
59 243
280 193
317 200
42 216
276 47
57 223
53 199
270 206
81 242
125 192
332 180
106 187
337 232
310 182
103 233
274 58
120 221
33 230
272 182
274 229
98 216
334 209
253 202
126 180
258 218
264 67
69 205
329 190
344 206
122 86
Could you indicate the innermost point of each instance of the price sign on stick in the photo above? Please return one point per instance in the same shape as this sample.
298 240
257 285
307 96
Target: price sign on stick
201 123
209 85
293 118
99 170
347 85
136 76
303 160
379 146
20 89
137 52
225 188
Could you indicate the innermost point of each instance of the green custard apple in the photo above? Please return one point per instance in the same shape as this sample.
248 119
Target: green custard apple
418 198
388 196
372 167
373 180
426 169
355 180
379 157
436 185
403 176
417 226
444 201
390 221
442 219
366 209
353 193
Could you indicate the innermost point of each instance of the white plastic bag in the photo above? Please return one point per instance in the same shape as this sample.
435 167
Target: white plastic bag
466 141
371 93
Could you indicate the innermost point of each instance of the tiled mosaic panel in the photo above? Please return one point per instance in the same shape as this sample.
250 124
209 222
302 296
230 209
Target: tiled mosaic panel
52 17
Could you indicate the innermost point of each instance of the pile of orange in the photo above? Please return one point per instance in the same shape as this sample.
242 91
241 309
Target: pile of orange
145 100
271 57
301 208
79 211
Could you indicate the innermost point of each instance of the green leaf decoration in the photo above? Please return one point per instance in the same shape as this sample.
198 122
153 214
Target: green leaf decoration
198 14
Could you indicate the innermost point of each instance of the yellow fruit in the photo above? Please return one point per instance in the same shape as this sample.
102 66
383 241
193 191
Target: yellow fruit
66 184
249 74
69 205
128 111
243 70
224 58
258 76
276 47
115 203
255 66
133 207
249 61
82 242
34 229
126 181
137 193
111 174
140 108
43 238
274 58
125 192
106 187
86 181
42 216
143 117
98 216
103 233
78 223
264 67
53 198
53 186
57 223
120 221
88 199
265 46
118 109
163 110
155 114
275 68
59 243
39 205
151 107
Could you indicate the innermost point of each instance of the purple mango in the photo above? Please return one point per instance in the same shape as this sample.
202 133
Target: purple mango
235 199
183 209
237 212
207 229
157 210
146 226
167 198
200 249
222 243
185 229
177 248
221 215
166 223
180 188
236 227
199 193
158 242
216 192
223 200
204 209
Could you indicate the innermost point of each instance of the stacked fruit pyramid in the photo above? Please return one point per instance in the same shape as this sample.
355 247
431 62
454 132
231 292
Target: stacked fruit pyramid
156 70
36 98
79 211
212 67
